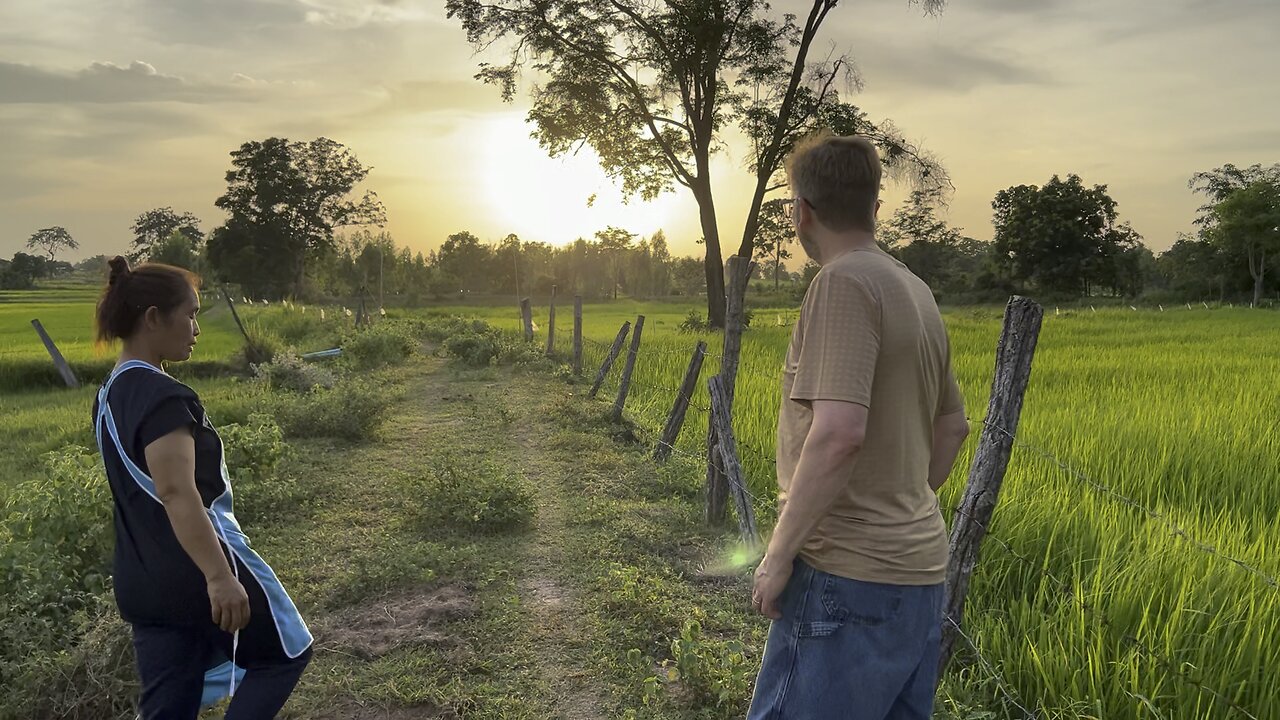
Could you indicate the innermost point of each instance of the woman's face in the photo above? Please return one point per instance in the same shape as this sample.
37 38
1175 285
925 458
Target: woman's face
178 329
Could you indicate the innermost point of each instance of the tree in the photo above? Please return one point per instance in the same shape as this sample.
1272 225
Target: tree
1060 238
1248 222
614 243
465 260
52 239
652 85
177 249
285 200
773 234
22 271
155 227
1194 268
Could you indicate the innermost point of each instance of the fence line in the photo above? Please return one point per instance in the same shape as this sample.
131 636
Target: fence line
1004 688
1100 487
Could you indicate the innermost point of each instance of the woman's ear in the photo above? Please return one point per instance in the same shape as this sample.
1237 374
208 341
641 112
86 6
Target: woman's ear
151 317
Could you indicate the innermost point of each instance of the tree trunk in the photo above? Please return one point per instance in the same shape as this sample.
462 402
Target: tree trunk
714 260
1259 276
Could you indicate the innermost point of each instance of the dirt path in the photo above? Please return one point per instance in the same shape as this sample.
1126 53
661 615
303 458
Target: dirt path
557 617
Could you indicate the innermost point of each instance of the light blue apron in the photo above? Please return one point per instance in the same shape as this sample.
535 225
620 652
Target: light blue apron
295 638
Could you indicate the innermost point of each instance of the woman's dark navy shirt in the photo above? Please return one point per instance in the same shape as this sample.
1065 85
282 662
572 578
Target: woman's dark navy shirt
155 580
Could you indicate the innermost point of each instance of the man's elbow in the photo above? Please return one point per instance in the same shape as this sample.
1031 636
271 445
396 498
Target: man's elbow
843 443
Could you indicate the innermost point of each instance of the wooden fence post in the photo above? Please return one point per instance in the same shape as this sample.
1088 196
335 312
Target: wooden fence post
577 334
1016 350
675 420
59 362
551 325
728 448
738 275
526 314
608 360
236 316
625 385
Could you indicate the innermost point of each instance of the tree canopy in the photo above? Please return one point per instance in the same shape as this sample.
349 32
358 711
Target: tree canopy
653 86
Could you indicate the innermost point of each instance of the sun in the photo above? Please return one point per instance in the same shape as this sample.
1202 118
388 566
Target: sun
544 199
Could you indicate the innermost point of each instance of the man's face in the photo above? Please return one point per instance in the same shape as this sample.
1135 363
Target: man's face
802 220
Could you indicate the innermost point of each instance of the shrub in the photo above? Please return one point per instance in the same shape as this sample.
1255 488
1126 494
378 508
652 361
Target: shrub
693 323
55 548
386 343
471 495
263 348
351 410
254 451
288 371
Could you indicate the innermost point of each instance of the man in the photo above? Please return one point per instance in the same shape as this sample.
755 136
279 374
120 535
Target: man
870 425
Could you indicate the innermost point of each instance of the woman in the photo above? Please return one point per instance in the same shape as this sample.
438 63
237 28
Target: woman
204 606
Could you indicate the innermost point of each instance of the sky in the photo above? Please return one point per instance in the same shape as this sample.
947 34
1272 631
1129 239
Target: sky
113 107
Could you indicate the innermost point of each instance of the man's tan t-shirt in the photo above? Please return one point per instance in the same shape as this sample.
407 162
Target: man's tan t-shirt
870 333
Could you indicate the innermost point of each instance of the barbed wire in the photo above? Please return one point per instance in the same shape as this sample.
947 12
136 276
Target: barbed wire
1001 684
1132 641
1100 487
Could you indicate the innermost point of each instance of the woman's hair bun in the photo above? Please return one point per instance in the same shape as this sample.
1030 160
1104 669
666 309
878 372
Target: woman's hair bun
119 268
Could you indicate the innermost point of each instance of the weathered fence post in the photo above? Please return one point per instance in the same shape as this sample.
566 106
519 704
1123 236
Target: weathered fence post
608 360
59 362
1016 350
236 316
728 448
625 385
551 325
526 315
577 334
739 272
675 420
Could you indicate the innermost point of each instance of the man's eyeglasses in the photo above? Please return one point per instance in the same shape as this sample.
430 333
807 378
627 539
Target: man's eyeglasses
789 205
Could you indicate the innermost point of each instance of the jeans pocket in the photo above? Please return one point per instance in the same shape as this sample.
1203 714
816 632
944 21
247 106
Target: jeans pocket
821 616
861 603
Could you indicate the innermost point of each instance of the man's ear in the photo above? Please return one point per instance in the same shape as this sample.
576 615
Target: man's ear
877 213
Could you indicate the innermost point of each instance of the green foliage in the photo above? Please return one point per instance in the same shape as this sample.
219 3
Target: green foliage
694 323
1064 238
254 451
287 371
479 344
717 671
471 495
85 671
351 410
285 199
386 343
55 554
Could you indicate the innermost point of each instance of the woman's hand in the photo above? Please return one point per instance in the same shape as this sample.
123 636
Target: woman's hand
228 602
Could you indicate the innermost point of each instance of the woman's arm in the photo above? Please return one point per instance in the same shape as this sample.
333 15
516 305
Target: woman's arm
172 462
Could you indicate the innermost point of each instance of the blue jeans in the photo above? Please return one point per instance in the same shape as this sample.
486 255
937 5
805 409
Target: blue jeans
850 650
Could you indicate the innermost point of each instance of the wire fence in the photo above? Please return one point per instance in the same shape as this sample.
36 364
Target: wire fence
1039 569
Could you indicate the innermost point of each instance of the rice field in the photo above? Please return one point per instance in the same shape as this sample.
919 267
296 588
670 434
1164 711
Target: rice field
1093 606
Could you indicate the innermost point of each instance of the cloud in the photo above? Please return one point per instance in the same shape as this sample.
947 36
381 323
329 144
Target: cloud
105 82
345 14
943 67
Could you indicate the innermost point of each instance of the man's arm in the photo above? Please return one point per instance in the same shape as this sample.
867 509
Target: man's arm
949 433
829 452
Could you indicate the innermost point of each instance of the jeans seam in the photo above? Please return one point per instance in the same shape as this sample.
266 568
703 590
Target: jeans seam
793 651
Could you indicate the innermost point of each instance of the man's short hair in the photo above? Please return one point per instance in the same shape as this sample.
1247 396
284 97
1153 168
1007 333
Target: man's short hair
839 177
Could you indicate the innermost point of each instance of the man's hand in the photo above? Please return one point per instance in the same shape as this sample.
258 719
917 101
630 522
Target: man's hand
771 580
